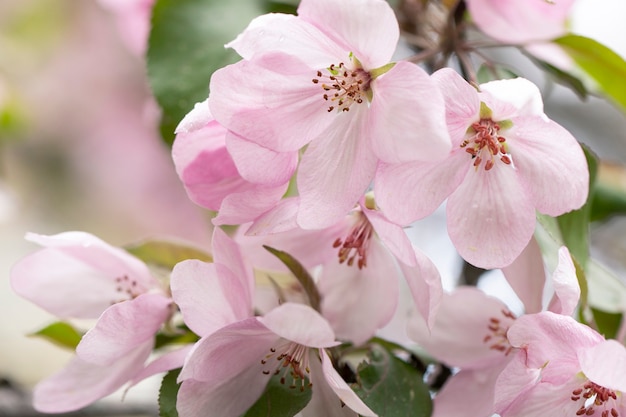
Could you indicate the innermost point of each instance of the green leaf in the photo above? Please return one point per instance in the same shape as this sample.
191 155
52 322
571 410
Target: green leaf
608 324
166 254
60 333
609 198
391 387
604 66
278 400
167 394
301 274
574 226
186 46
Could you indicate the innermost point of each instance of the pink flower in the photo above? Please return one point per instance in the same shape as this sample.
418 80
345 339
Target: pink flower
470 333
508 160
322 79
521 22
229 369
133 21
77 275
562 365
212 180
370 256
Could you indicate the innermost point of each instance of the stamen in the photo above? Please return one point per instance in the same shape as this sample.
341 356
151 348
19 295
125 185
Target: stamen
350 85
486 145
355 245
126 288
292 359
498 327
595 397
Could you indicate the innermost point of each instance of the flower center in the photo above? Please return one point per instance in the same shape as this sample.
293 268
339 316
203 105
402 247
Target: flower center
126 288
355 245
344 86
485 144
594 396
292 359
498 326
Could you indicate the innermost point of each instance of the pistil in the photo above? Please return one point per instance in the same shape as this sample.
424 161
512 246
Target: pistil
293 360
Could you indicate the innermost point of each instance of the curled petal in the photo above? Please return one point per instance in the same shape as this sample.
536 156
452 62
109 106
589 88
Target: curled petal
425 285
343 391
81 383
566 287
604 364
527 277
123 327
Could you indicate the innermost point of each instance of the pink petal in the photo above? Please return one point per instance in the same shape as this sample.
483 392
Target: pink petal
425 285
292 36
207 299
392 236
202 161
227 254
81 383
551 163
301 324
604 364
270 101
243 207
510 21
411 191
281 218
527 277
198 118
343 391
166 362
516 387
348 294
230 352
80 267
407 116
261 165
324 401
490 217
467 393
123 327
367 28
549 337
462 103
335 171
458 338
566 287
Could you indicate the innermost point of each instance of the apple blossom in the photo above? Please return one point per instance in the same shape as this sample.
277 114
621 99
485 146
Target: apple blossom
229 369
323 80
210 176
508 160
370 256
78 275
470 333
563 368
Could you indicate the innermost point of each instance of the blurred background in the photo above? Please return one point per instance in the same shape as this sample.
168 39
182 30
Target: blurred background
80 149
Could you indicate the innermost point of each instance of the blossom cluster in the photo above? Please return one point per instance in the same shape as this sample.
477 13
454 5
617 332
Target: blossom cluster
322 149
